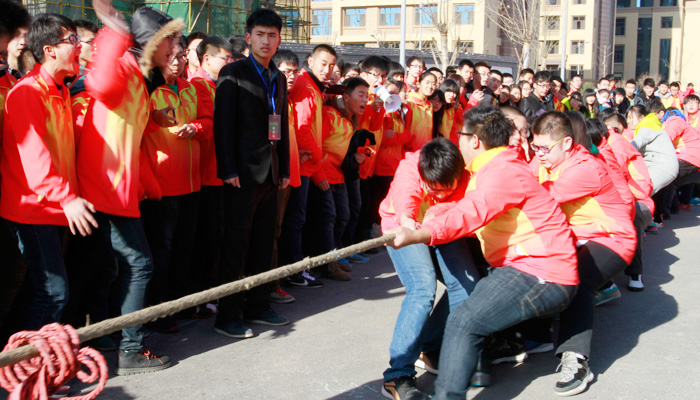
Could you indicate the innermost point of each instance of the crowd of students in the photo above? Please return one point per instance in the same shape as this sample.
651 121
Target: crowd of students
180 163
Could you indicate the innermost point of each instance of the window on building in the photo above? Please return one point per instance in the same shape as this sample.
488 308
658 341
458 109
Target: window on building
389 16
579 22
354 17
619 56
429 14
575 70
552 46
645 3
664 57
464 14
579 1
620 26
468 46
552 23
667 22
668 3
552 69
321 22
577 47
624 3
643 56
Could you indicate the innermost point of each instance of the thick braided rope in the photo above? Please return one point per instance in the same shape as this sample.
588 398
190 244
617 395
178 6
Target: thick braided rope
169 308
60 359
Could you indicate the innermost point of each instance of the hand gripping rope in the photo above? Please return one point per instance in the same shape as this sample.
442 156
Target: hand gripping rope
60 359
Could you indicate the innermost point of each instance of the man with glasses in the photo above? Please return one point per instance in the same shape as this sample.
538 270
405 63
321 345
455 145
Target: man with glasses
87 31
193 62
415 67
605 236
538 102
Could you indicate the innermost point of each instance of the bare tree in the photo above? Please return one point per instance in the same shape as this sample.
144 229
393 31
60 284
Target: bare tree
546 48
605 52
446 27
520 22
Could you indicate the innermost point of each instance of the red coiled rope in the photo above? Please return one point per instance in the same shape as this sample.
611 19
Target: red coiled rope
60 360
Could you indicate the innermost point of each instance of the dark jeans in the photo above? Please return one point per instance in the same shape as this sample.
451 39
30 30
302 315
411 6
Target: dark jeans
290 242
504 298
687 174
334 214
354 204
12 271
250 216
642 219
597 264
127 240
363 222
41 246
379 187
206 253
282 200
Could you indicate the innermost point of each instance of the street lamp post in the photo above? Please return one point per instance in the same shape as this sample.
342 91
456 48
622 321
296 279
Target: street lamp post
377 39
420 26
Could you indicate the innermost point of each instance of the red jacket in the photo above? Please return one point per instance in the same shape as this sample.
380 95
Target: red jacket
7 81
37 162
518 224
392 150
308 101
207 155
117 116
685 139
419 121
591 202
373 121
337 132
632 160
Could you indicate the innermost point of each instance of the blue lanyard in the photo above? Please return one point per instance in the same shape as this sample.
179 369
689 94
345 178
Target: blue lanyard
274 85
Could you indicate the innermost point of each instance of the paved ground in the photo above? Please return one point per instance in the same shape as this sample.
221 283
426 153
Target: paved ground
645 344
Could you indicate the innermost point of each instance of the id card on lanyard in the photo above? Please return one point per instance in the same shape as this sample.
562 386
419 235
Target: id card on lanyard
274 121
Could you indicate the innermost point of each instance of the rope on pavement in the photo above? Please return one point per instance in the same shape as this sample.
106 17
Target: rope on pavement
171 307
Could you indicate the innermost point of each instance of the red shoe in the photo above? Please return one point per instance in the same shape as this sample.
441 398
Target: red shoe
685 207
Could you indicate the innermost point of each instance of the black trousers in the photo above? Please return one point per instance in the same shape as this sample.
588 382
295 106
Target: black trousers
250 219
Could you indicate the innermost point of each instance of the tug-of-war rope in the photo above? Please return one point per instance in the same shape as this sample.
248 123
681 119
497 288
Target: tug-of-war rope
35 364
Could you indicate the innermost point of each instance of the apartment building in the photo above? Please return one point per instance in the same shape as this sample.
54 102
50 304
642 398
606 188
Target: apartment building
658 38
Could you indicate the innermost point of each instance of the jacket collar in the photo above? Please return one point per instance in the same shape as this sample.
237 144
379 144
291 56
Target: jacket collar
319 84
484 158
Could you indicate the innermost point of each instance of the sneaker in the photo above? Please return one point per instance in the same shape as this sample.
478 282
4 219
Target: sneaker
164 325
653 228
141 362
482 376
695 201
304 279
532 347
345 265
335 271
235 329
574 375
685 207
498 350
281 296
635 284
358 259
428 362
607 295
403 388
61 392
268 317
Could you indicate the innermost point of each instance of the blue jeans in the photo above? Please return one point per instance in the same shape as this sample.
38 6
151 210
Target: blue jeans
127 240
290 244
416 269
43 252
504 298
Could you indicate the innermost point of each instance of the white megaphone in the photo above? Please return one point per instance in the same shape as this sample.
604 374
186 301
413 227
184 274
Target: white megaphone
392 102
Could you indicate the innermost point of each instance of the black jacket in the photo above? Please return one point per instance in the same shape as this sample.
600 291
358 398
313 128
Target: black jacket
241 119
531 106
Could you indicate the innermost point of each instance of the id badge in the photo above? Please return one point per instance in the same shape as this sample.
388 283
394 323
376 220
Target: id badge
274 130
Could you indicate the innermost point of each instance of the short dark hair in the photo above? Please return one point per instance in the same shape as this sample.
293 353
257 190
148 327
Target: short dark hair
576 95
542 76
649 82
324 47
47 29
194 35
691 97
619 118
556 78
526 71
596 130
604 113
375 62
490 125
512 111
610 77
450 85
212 44
576 76
436 69
676 84
459 79
578 128
353 83
603 79
663 82
451 69
263 17
396 68
414 58
632 81
238 43
467 63
638 109
424 75
237 56
86 25
398 84
620 91
13 17
285 56
440 162
497 72
601 91
482 64
553 123
655 105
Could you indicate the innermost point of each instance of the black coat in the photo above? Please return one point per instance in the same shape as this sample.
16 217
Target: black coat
241 120
531 106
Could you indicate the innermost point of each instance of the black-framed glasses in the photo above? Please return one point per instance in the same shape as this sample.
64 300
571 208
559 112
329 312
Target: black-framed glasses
73 39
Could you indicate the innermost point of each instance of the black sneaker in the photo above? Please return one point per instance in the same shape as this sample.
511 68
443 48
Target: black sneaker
482 375
499 350
574 375
141 362
403 388
304 279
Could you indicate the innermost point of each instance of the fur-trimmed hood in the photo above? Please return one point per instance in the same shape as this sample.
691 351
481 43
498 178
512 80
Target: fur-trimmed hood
150 27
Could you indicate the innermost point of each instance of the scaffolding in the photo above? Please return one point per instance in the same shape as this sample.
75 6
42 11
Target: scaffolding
215 17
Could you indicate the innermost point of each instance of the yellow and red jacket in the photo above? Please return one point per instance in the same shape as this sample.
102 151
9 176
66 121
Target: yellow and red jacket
37 162
7 81
337 131
632 160
518 224
373 121
672 101
117 115
392 150
407 195
294 176
308 101
207 155
419 121
695 124
619 175
591 202
175 161
685 139
452 122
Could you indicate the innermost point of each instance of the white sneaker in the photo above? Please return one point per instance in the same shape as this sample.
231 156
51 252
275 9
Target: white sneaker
635 284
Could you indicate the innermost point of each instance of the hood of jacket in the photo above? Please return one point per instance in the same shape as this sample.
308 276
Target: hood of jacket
150 27
651 121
